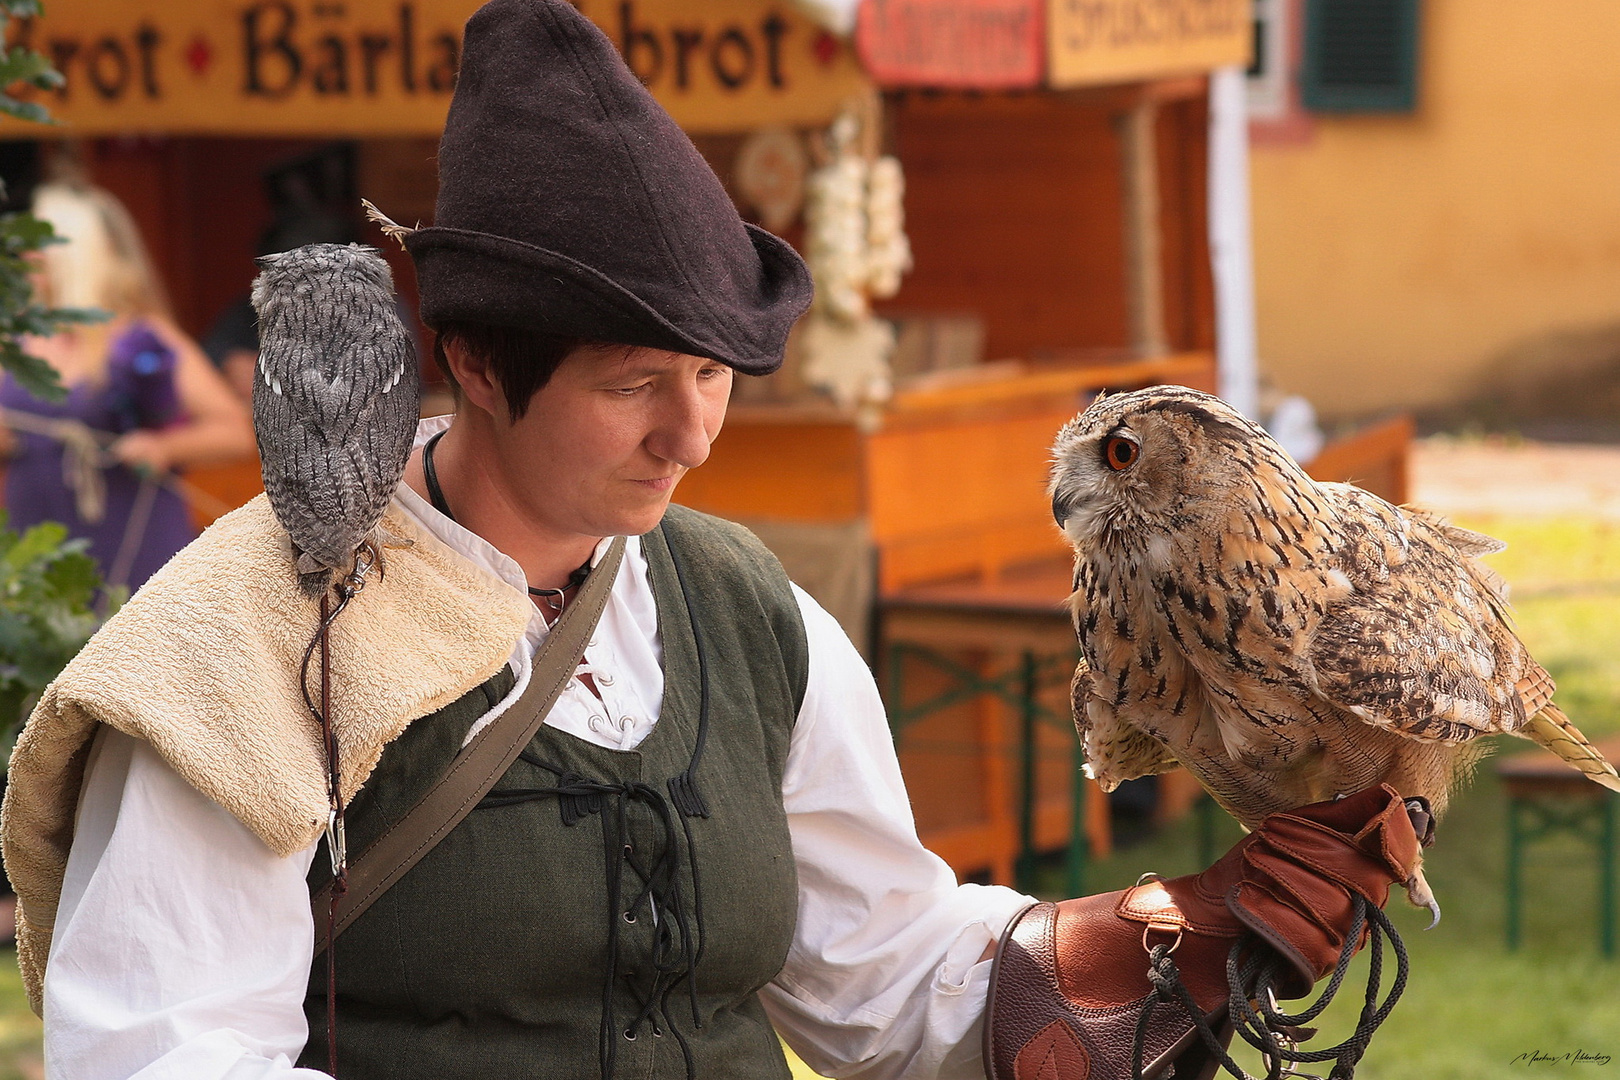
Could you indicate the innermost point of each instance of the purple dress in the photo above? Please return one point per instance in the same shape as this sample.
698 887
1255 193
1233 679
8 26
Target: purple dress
139 392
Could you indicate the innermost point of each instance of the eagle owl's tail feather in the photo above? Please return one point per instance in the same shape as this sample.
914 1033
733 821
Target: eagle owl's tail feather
1552 729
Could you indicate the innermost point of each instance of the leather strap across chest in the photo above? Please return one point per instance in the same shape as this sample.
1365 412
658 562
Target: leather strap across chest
479 766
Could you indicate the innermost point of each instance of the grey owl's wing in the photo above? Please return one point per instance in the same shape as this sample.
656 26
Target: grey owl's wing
1422 644
335 413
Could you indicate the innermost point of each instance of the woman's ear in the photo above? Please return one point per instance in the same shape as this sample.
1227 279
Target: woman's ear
475 377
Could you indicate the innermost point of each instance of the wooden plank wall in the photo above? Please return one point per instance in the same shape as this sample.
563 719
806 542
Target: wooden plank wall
1014 207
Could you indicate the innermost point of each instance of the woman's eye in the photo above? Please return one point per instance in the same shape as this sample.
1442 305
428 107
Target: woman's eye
1120 453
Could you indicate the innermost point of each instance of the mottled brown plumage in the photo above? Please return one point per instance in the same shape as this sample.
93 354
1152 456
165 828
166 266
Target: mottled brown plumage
1288 641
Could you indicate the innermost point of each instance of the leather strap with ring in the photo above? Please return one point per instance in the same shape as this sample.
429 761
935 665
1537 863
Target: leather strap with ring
480 765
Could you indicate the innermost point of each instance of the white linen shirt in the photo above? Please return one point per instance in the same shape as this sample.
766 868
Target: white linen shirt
183 945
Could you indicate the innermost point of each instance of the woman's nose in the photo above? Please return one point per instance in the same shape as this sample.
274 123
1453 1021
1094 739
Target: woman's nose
683 432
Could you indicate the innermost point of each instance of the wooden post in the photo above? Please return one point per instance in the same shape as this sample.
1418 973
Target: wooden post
1144 268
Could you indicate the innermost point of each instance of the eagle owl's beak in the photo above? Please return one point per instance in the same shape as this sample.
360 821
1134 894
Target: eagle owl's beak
1061 508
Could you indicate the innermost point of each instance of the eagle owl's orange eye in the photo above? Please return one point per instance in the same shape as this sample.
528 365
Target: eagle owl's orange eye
1120 453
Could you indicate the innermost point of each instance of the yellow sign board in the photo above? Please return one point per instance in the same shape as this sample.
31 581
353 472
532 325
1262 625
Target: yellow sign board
1092 42
358 68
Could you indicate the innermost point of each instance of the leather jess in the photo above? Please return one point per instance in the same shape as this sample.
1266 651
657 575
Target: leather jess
1070 979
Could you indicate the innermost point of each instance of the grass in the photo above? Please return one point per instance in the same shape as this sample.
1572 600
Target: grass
1565 578
19 1027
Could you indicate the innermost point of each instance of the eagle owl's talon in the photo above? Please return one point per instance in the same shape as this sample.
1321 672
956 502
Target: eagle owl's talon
1420 895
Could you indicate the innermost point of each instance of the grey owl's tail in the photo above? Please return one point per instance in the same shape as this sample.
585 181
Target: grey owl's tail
316 584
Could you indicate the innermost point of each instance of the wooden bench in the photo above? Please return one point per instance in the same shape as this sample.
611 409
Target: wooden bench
1546 796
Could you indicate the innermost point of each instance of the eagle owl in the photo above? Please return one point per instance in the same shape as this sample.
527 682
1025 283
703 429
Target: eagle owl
1287 641
335 401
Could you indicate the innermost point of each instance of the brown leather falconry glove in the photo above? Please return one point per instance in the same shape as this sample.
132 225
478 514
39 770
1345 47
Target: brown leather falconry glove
1070 980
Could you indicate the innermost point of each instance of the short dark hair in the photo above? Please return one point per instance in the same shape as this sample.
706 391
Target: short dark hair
521 360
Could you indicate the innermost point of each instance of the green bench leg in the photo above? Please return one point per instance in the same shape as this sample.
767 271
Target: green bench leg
1024 872
1206 830
1079 839
1515 851
1606 876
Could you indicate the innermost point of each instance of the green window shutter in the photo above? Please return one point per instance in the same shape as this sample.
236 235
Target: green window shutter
1360 56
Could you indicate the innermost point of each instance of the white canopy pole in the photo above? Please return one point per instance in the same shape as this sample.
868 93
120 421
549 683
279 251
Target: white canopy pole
1230 244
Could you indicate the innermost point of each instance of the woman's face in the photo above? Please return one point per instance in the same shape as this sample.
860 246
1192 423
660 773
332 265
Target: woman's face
605 441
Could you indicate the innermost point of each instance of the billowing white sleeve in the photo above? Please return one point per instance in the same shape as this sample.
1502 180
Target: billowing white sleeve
884 977
205 976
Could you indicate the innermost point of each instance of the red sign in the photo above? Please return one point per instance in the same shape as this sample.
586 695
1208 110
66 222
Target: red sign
957 43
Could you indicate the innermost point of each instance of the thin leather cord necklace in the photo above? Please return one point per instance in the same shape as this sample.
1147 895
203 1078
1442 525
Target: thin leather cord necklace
554 598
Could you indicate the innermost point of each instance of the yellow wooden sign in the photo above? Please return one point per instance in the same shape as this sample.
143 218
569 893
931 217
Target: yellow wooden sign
360 68
1091 42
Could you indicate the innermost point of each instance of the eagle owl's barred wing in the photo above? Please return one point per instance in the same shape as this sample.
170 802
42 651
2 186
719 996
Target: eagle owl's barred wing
1465 542
1421 644
1535 688
1079 693
1470 545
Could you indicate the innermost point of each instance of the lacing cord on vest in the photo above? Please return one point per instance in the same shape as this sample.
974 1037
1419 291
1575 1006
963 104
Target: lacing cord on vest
679 938
678 935
1253 974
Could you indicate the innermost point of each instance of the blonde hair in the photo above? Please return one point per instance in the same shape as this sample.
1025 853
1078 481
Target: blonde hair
103 263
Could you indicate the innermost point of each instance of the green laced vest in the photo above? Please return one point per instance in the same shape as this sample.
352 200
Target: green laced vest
592 918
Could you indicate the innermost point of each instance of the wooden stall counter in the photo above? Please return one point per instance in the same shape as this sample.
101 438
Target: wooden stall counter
951 475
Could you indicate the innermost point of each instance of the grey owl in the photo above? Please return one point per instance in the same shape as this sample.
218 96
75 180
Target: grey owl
335 401
1288 641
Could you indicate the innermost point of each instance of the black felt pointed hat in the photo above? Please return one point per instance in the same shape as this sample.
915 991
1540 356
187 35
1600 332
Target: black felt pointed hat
570 202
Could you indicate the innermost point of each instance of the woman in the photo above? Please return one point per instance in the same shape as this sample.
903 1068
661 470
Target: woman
705 843
143 401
